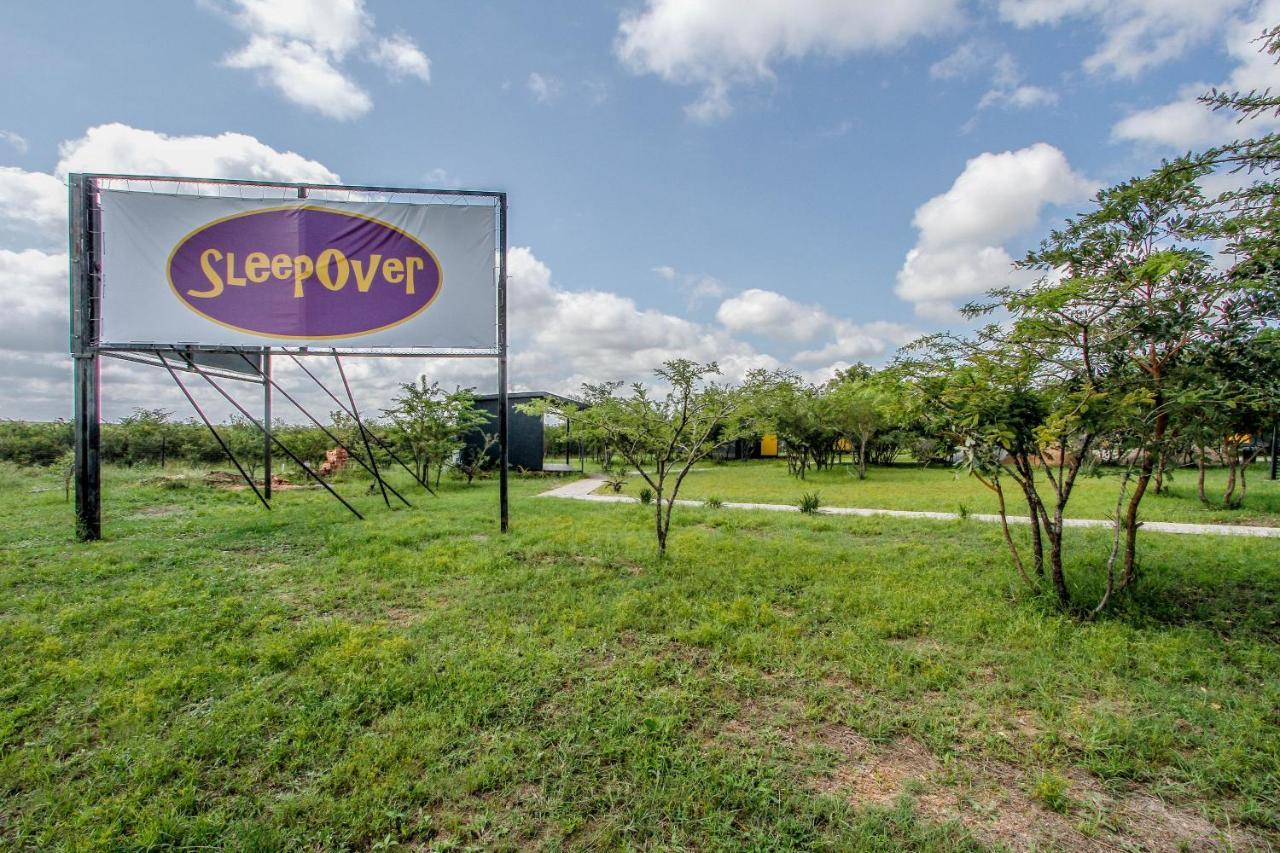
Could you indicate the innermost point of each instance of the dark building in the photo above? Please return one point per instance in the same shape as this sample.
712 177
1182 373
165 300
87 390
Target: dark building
525 440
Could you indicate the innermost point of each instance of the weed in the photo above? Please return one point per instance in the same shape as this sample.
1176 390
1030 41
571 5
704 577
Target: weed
809 502
713 502
1050 788
646 496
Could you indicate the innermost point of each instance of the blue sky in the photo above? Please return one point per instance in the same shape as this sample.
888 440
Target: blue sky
802 184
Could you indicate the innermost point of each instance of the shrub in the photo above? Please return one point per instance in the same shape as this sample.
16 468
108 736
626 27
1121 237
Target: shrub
646 495
713 503
809 502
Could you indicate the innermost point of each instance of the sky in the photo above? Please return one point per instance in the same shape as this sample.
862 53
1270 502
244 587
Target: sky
799 184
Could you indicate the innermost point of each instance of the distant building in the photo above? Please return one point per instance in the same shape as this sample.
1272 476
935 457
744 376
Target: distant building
525 433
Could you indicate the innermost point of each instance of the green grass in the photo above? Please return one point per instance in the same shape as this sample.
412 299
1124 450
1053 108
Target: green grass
941 489
213 674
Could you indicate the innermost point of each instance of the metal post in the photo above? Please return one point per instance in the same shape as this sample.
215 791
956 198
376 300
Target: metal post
266 422
502 361
84 352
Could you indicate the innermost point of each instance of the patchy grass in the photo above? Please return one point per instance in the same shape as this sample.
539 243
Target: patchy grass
942 489
213 674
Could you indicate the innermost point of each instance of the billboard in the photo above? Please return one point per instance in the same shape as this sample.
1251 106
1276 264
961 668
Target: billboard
219 271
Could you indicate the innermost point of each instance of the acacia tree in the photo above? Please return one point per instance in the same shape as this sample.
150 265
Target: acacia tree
663 437
858 411
432 423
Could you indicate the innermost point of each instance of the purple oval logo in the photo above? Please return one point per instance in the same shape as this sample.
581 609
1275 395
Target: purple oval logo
304 272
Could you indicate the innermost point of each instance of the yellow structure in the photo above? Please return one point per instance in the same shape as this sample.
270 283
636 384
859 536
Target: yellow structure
768 445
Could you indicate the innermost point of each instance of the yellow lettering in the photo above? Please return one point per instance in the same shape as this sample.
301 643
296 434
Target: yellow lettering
364 274
281 267
413 264
232 278
207 259
393 270
303 266
323 272
255 267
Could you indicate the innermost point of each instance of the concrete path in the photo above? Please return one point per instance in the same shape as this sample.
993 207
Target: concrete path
581 490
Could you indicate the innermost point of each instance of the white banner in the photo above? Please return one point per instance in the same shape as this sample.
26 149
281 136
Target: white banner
236 272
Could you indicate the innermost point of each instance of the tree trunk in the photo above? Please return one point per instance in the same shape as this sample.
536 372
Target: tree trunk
1204 499
658 526
862 459
1232 458
1160 464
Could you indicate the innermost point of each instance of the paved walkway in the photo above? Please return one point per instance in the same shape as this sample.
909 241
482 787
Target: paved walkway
581 490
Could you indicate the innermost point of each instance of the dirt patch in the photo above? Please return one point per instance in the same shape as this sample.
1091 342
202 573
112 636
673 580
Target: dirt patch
995 801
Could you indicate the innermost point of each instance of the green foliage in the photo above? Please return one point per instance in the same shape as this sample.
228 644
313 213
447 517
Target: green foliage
810 502
713 502
663 437
31 443
646 496
431 424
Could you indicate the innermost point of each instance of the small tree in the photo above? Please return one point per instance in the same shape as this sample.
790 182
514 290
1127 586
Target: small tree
433 423
858 412
663 437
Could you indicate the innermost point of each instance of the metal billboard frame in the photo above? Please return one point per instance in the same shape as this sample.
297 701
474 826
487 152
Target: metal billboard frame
87 350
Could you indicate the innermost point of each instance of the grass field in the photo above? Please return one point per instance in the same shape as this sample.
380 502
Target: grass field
213 674
941 489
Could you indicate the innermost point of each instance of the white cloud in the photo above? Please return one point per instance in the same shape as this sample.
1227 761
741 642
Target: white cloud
965 61
1007 86
544 87
35 297
1185 123
402 58
858 341
717 44
1137 34
300 47
120 148
959 250
765 312
1019 97
304 75
17 141
695 287
32 200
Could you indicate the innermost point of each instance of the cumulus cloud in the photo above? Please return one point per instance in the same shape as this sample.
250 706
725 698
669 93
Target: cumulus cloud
773 315
301 48
959 250
1184 122
32 201
718 44
695 287
1137 34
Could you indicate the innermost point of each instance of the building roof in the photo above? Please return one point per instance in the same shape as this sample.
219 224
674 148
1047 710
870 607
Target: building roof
520 396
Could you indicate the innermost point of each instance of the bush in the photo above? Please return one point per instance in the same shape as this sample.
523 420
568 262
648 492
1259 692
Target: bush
646 495
713 503
809 502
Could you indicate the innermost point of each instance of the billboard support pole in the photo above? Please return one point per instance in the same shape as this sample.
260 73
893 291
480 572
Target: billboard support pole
266 422
84 352
502 362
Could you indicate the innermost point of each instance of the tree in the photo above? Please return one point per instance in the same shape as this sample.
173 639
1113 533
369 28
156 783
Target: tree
432 423
858 411
662 437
